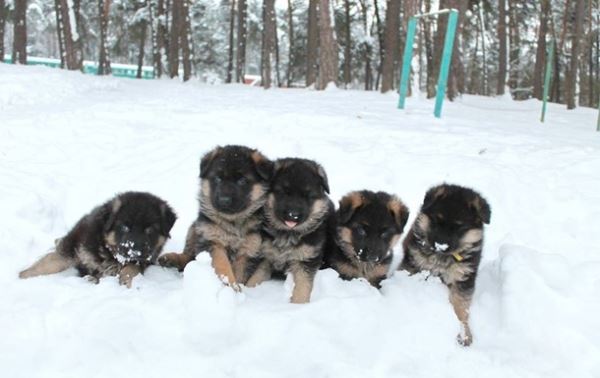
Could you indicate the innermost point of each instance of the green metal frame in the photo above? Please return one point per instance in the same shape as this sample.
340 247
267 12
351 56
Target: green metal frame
444 65
548 75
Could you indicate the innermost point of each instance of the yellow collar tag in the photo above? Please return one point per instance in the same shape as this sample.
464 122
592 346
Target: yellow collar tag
457 257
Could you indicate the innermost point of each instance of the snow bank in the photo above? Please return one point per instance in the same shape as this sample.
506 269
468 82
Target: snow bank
69 142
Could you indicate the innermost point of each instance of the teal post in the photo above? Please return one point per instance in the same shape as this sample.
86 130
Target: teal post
547 77
408 49
446 59
598 122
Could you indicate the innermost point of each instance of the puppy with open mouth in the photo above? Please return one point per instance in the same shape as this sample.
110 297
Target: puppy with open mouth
446 239
121 237
368 226
297 215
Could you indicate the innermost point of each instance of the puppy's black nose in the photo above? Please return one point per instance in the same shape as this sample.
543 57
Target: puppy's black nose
224 200
293 215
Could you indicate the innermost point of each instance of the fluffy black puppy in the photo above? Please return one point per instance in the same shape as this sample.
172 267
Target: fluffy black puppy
368 226
297 215
122 236
446 239
233 189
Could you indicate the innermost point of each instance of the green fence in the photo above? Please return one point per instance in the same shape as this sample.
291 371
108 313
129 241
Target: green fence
91 68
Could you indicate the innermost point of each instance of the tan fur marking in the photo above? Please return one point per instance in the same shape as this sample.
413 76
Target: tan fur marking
471 237
239 265
48 264
345 234
354 199
110 239
394 240
127 273
461 305
116 205
257 192
303 284
222 266
257 157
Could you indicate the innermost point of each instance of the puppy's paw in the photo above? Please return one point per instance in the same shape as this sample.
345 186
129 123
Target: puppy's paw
91 279
127 274
172 260
465 338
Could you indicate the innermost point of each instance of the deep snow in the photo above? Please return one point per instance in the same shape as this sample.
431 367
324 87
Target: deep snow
69 142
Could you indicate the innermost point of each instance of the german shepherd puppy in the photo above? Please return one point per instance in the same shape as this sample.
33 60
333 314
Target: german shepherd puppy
233 185
368 226
297 214
446 239
122 236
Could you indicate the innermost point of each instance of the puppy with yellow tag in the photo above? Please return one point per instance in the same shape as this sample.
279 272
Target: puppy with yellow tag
446 239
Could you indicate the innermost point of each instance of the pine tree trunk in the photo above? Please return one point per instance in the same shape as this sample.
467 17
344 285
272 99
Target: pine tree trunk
78 42
392 29
268 43
242 35
104 60
515 45
540 54
571 77
484 90
348 45
70 36
502 44
60 32
289 74
381 43
431 80
367 47
230 49
176 26
410 8
456 77
3 12
312 48
157 14
143 27
328 53
19 53
185 40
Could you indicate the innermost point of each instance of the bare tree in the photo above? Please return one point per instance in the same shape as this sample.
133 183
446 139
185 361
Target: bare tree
268 43
19 53
540 55
391 36
68 36
347 45
289 74
159 34
328 53
143 26
381 42
502 47
571 78
367 48
186 40
104 60
515 43
3 14
180 40
242 35
410 8
312 48
231 42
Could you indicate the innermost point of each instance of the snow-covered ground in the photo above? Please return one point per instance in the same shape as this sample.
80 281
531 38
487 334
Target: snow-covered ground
69 142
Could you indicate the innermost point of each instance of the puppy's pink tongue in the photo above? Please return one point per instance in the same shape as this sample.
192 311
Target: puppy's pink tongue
291 224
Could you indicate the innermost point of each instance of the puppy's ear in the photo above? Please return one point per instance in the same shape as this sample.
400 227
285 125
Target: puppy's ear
348 205
399 211
483 208
167 220
264 167
207 160
110 213
433 194
323 176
